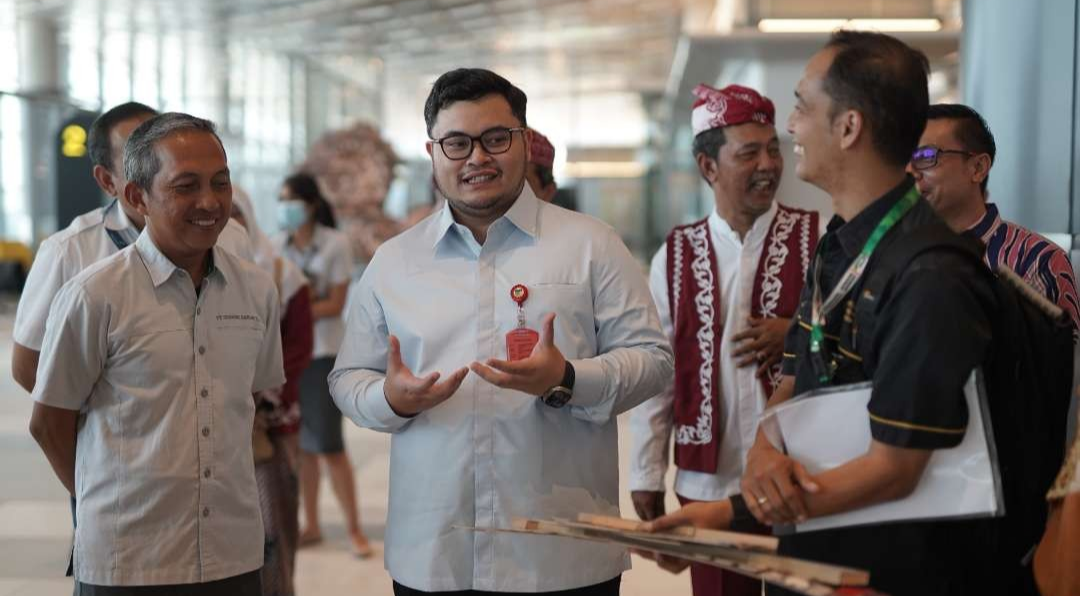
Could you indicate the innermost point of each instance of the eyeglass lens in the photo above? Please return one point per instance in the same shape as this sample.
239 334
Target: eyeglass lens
494 141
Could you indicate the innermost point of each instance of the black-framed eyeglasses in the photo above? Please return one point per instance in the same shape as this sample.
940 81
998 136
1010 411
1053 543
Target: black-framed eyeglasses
493 140
926 157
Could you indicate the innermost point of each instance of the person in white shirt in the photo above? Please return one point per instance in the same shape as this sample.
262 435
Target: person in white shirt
497 275
143 402
726 288
90 237
310 241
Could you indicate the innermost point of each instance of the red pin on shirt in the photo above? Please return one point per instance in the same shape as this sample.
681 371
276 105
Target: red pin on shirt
521 340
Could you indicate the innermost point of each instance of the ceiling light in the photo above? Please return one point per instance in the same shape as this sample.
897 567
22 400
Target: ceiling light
604 169
899 25
799 25
828 25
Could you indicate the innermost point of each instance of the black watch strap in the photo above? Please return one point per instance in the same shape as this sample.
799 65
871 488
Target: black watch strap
568 376
744 521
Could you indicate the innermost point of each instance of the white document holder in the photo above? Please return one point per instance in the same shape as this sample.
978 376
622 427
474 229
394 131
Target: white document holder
826 428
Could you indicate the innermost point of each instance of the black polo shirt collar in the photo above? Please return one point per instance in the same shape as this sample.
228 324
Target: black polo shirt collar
853 234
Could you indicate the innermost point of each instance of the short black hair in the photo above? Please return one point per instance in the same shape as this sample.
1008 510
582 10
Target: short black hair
708 143
98 143
545 175
306 188
971 130
471 84
886 81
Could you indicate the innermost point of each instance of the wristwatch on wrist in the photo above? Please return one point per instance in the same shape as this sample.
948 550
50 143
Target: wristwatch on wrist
557 396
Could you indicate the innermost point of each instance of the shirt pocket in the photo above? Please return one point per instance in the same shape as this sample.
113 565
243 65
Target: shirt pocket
575 321
236 350
150 367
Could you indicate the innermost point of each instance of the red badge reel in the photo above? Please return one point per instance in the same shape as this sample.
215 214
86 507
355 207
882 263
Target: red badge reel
521 340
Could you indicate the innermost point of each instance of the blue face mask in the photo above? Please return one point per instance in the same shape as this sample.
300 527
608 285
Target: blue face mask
291 215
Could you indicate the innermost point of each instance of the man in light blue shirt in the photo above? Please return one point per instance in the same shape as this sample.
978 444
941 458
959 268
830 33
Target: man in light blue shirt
534 437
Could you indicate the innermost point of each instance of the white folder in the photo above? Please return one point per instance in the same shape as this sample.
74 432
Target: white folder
826 428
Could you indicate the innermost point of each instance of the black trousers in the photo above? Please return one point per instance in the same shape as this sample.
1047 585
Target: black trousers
248 584
608 588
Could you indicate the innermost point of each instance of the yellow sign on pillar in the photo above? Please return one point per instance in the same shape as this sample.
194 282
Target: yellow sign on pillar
73 141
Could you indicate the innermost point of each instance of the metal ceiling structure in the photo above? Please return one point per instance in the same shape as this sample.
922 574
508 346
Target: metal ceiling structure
577 46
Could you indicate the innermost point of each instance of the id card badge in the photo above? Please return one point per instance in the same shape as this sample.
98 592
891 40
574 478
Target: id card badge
521 340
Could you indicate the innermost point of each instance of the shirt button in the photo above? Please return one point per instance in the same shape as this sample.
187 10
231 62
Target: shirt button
206 473
205 431
202 350
206 512
204 392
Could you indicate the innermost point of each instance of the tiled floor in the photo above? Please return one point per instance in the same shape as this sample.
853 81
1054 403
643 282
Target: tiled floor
35 522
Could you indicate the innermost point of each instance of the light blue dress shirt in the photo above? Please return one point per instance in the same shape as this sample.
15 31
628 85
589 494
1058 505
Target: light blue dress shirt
487 454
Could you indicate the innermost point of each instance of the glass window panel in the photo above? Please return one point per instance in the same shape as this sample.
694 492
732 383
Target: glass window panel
9 66
172 73
117 67
13 189
83 75
146 69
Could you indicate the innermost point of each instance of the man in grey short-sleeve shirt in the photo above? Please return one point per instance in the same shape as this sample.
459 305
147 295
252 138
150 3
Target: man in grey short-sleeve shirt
143 395
91 237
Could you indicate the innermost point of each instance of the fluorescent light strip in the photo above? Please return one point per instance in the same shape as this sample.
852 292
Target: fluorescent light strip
800 25
828 25
604 169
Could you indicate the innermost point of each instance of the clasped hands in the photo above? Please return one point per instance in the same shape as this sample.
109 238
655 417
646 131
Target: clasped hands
408 395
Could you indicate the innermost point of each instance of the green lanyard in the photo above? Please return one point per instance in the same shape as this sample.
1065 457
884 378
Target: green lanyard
819 311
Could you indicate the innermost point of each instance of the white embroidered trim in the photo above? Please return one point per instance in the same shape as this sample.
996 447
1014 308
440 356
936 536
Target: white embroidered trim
775 255
702 433
676 275
804 244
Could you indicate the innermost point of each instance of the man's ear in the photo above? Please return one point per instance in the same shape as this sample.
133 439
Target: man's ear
136 197
851 125
708 167
428 147
105 181
528 136
981 164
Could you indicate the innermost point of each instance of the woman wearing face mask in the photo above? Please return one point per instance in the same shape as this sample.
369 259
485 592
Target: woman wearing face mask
309 240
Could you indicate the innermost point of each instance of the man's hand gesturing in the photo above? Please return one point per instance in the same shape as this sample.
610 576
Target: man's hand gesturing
542 370
407 394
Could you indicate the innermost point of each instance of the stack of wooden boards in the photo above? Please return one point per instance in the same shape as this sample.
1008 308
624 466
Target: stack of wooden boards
748 554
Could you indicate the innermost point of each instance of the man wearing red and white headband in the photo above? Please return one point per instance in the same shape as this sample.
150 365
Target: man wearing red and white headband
539 170
726 288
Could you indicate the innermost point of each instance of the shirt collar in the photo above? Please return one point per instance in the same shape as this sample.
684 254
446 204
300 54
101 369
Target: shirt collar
313 246
160 267
115 218
757 230
988 222
853 234
523 214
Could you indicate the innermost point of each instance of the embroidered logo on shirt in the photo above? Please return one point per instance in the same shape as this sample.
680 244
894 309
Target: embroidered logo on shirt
239 318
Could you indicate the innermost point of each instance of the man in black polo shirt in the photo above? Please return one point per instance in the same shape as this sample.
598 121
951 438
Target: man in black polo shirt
861 107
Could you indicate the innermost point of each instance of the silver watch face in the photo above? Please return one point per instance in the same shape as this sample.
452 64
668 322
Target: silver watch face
557 397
